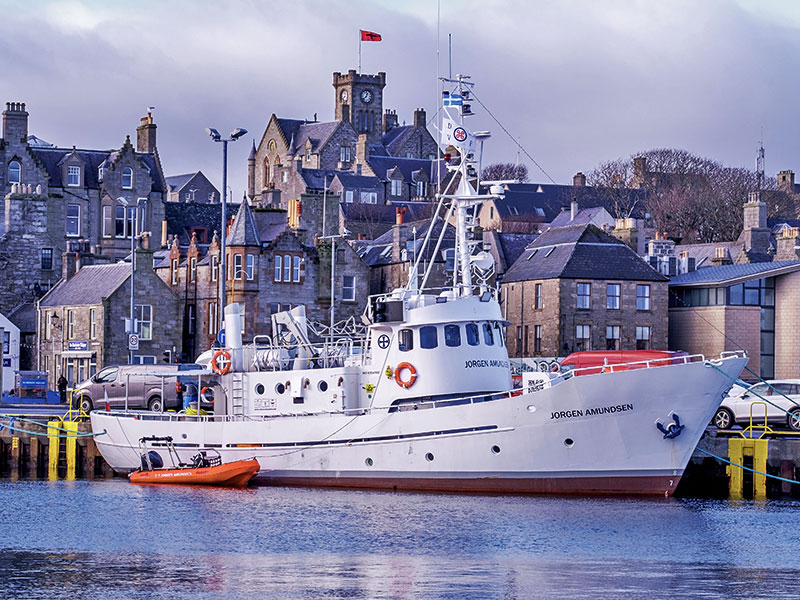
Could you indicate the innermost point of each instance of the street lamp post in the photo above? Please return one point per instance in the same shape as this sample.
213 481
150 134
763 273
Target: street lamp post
215 135
134 225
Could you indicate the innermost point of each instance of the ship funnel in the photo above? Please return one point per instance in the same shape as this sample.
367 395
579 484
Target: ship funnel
233 326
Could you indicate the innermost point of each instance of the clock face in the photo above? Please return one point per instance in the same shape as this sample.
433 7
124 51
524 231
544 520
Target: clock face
366 96
343 95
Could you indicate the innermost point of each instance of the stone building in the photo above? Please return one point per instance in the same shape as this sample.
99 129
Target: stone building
578 288
81 320
191 187
364 154
56 195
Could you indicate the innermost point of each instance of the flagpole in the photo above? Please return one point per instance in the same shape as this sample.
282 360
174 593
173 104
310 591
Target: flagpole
359 51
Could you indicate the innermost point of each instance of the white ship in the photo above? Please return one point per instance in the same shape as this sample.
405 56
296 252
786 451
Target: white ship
424 399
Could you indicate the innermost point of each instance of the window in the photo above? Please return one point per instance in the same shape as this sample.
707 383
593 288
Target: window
127 178
131 221
237 266
642 337
92 324
584 295
488 336
452 336
308 155
583 340
537 296
427 337
73 176
48 325
472 334
287 268
250 268
525 338
47 259
14 172
397 187
612 337
100 173
119 221
643 297
108 222
613 291
214 267
519 339
192 268
285 176
344 154
296 271
405 340
212 318
144 321
211 197
174 269
369 197
422 188
187 196
191 319
537 338
6 342
278 268
348 288
348 196
70 324
73 220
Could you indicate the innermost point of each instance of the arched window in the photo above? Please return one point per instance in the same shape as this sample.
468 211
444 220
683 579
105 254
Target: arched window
14 172
127 178
266 170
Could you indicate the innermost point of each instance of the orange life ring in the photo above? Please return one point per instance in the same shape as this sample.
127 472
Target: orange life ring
410 381
221 362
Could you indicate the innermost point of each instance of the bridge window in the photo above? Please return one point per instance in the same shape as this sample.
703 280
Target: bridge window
488 336
472 334
405 340
452 336
427 337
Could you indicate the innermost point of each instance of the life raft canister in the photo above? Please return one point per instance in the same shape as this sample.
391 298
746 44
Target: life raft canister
221 362
398 375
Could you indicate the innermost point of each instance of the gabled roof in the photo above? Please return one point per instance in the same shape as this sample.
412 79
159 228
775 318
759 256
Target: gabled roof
527 201
351 180
300 132
379 251
705 253
244 231
584 217
396 137
381 165
181 217
580 251
176 182
386 213
88 286
730 274
514 244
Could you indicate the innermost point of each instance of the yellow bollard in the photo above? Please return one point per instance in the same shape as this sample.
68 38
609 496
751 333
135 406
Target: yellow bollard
72 448
53 448
738 449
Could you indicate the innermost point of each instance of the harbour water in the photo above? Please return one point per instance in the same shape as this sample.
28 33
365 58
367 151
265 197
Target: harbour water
109 539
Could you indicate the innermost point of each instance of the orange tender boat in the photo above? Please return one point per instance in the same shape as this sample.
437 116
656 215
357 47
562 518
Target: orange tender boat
232 474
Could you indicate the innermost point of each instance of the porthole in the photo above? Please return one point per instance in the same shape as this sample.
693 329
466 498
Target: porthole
369 462
429 457
322 386
280 388
260 388
495 449
531 408
569 443
184 436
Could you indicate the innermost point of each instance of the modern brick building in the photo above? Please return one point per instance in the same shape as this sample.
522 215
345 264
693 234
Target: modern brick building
578 288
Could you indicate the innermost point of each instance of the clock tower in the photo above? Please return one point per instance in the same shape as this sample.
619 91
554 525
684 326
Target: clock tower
359 101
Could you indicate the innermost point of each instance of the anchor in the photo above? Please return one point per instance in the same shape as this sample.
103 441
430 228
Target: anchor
672 430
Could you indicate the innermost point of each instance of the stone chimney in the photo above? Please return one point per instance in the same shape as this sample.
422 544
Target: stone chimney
389 120
721 257
15 122
626 232
579 179
398 214
755 237
69 264
399 234
143 254
787 244
786 181
419 118
362 149
146 135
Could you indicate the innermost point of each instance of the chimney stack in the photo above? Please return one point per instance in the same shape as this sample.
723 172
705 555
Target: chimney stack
69 263
389 120
579 180
398 214
15 122
419 118
146 135
786 181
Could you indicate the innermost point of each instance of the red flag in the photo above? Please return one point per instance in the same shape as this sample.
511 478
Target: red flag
370 36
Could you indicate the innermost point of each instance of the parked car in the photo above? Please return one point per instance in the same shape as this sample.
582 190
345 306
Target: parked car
141 384
784 393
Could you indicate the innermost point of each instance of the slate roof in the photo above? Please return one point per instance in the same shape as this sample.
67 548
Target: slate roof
244 231
704 253
584 217
381 165
51 159
727 274
182 216
351 180
176 182
315 178
299 131
379 251
88 286
270 224
580 251
514 244
24 317
386 213
396 137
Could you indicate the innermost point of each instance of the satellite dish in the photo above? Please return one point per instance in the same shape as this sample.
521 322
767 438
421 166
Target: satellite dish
483 260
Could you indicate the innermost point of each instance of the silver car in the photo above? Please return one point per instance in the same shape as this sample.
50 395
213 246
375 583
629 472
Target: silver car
781 396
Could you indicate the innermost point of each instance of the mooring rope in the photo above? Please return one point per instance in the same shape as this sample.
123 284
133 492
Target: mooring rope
748 468
750 391
70 433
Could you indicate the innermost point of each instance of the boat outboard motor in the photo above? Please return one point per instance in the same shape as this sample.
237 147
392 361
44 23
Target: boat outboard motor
151 460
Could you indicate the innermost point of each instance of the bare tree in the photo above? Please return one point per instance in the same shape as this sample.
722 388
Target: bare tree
505 171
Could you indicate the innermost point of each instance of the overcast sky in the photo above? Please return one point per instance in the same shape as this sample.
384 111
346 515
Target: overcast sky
575 82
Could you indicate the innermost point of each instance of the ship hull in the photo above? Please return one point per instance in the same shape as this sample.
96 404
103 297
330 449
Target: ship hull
594 434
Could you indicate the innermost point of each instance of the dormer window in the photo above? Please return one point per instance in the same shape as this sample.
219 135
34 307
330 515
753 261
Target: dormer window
308 155
397 187
14 172
422 188
127 178
73 176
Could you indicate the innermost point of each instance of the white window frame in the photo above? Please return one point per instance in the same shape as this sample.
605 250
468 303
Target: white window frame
644 333
127 178
108 221
214 267
144 326
643 301
213 317
237 267
348 288
618 296
70 324
348 196
579 331
174 268
73 176
76 219
285 176
278 267
250 266
287 268
396 187
92 324
582 299
422 188
296 269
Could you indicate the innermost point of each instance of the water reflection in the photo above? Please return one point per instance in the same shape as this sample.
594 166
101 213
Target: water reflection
113 540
